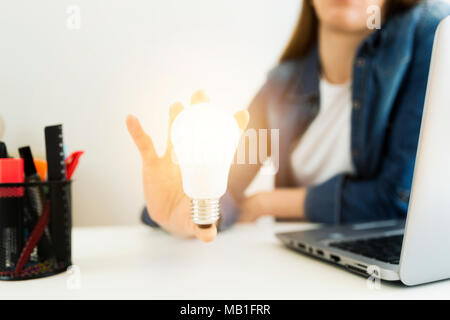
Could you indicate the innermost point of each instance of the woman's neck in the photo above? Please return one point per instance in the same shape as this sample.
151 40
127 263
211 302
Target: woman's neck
337 50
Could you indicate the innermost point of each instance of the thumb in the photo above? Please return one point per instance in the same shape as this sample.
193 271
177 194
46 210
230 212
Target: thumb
206 235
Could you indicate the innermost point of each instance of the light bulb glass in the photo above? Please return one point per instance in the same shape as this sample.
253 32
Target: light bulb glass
205 138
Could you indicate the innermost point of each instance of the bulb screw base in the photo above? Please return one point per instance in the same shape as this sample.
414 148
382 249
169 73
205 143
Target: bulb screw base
205 212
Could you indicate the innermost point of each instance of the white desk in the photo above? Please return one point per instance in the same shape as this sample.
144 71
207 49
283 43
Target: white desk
246 262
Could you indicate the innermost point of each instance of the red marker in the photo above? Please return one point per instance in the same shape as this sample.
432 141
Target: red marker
11 210
11 171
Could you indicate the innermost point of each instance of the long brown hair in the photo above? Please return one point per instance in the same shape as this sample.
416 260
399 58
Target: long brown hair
306 29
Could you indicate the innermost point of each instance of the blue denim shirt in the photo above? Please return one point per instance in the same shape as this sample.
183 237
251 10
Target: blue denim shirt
390 74
389 82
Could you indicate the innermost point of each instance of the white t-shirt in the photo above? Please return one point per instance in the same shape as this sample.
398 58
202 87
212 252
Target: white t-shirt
324 149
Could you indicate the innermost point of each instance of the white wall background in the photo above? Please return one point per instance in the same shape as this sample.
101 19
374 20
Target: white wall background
128 57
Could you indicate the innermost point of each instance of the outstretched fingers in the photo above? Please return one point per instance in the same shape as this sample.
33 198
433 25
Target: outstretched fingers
141 139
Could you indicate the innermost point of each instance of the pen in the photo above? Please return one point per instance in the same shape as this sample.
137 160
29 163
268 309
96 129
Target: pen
41 168
3 150
34 238
35 204
72 163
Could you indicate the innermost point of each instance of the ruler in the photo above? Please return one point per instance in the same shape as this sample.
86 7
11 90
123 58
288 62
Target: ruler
60 210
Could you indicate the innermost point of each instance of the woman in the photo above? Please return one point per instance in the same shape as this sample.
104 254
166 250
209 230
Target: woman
348 103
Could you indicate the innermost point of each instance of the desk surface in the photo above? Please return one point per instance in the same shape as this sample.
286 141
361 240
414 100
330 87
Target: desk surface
246 262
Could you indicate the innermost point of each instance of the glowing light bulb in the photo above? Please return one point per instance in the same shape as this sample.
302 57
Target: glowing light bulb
204 138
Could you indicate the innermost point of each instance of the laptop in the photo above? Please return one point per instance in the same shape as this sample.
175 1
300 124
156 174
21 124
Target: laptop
417 250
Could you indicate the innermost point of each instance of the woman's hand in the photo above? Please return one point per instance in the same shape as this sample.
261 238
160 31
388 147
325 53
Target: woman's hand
280 203
166 202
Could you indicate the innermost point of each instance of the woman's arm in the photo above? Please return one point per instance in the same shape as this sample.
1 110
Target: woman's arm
281 203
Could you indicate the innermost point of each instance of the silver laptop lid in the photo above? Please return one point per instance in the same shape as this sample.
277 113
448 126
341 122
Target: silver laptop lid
426 245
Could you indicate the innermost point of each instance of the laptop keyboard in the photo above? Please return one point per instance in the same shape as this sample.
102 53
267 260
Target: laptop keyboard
386 249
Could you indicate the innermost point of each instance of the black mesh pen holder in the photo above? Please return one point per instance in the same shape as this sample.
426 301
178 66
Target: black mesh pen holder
35 229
